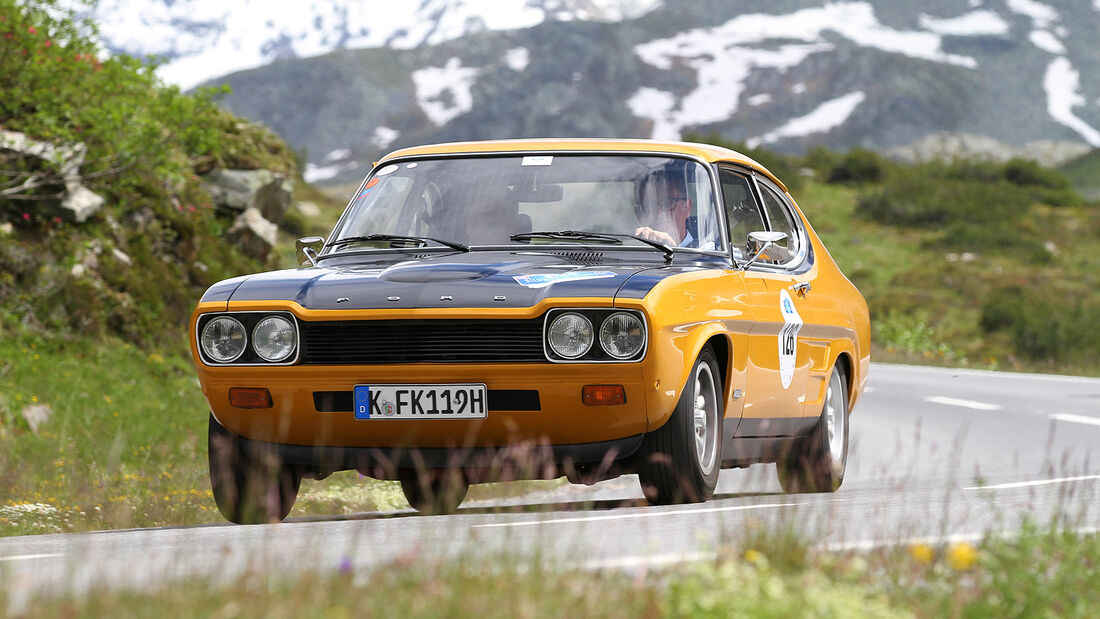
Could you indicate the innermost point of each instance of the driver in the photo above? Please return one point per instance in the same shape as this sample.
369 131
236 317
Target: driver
665 211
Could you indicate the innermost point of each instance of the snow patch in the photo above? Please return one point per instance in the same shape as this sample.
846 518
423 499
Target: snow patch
1062 85
724 56
1047 42
1041 15
824 118
517 58
975 23
384 136
799 88
656 105
759 99
444 92
203 39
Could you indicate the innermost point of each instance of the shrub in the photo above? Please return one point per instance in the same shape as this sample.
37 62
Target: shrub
858 167
1045 324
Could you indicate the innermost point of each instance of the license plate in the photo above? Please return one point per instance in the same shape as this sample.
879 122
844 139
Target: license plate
420 401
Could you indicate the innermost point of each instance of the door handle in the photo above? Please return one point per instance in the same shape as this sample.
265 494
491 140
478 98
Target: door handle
802 288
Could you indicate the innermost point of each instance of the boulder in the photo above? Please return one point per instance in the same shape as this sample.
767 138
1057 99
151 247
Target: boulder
236 191
254 234
55 169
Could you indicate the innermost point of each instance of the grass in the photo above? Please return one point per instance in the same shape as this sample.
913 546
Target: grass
1039 572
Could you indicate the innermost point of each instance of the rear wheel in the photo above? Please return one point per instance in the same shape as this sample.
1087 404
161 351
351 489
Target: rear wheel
682 458
816 462
434 492
249 488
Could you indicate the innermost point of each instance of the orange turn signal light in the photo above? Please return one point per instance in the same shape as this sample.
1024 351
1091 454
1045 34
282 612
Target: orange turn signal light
603 395
249 397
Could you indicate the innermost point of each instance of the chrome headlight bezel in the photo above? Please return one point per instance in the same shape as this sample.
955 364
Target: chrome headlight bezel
233 325
605 336
580 321
248 321
596 352
258 338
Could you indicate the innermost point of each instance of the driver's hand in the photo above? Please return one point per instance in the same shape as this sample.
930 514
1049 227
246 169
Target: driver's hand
656 235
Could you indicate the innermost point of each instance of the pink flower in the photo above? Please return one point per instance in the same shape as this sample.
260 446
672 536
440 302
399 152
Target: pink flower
26 216
48 43
57 220
31 30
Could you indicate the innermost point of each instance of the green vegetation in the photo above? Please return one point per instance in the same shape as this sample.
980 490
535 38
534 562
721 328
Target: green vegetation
141 261
1038 573
959 261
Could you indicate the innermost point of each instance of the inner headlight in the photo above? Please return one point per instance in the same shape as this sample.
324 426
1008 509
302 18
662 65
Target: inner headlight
570 335
223 339
622 335
274 338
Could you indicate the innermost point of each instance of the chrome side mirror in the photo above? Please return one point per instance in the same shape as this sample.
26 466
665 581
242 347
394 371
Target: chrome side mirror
307 249
763 244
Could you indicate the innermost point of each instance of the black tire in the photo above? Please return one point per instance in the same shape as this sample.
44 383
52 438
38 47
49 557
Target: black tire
813 463
248 488
680 461
434 492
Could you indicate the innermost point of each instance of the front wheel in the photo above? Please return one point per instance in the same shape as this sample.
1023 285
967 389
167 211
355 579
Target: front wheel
816 462
434 492
682 458
249 488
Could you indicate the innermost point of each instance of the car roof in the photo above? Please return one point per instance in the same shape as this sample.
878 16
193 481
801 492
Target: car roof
706 152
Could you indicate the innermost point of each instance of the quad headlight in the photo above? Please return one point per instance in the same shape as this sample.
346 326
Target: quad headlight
248 338
622 335
224 339
274 339
570 335
595 335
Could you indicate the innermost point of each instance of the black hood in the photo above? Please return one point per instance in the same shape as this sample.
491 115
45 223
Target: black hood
475 279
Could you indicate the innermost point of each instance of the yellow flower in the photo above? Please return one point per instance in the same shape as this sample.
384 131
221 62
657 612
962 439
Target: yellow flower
753 556
923 553
962 556
155 358
34 398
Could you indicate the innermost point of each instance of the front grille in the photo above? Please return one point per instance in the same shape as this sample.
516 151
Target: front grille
421 341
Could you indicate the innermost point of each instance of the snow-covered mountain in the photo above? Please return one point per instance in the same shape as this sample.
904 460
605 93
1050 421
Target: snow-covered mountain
787 74
204 39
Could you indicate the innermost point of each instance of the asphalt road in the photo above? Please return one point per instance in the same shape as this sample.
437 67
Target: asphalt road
935 454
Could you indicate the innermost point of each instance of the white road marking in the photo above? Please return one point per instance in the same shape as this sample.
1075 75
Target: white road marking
534 523
979 406
28 557
1038 482
1092 421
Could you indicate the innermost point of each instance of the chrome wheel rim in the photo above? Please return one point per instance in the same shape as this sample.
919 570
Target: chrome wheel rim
836 421
705 414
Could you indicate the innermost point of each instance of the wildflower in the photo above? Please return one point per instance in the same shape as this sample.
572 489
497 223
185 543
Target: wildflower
49 43
923 553
753 556
26 216
962 556
31 30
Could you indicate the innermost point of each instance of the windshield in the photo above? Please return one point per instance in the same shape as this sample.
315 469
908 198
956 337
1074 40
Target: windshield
499 200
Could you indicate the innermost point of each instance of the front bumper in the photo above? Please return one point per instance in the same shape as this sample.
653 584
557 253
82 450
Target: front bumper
307 407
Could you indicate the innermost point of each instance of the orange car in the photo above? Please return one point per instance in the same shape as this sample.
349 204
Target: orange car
532 309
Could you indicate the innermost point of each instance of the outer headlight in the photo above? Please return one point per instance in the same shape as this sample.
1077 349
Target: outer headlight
622 335
224 339
571 335
274 339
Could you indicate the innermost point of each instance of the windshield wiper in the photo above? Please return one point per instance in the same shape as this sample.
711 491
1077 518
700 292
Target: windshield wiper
604 237
397 237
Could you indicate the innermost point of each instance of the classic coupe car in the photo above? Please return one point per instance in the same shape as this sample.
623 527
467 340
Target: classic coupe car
532 309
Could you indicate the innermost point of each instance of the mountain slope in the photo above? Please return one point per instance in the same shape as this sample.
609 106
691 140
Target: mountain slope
785 75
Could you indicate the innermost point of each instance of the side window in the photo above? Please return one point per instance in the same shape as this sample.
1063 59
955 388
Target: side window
782 220
742 212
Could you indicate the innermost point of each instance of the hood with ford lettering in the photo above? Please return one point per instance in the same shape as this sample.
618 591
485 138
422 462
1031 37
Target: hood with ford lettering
476 279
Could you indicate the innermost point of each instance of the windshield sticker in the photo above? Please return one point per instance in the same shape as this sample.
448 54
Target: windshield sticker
372 182
411 165
539 160
788 338
549 279
390 169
